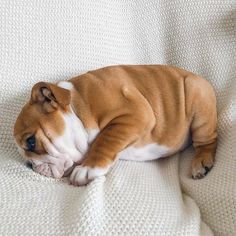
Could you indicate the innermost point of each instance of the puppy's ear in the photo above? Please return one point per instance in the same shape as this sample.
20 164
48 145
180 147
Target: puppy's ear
50 96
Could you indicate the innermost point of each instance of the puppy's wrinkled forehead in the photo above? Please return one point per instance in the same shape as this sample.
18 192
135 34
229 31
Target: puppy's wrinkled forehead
32 119
42 114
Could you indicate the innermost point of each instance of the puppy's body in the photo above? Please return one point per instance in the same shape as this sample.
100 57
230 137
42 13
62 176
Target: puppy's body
128 112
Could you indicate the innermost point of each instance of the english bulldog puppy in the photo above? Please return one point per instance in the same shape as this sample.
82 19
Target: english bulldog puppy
129 112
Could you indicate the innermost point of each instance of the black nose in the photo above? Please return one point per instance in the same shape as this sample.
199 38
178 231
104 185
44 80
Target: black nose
30 142
29 164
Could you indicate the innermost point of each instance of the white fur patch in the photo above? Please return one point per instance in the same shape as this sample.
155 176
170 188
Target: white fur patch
82 175
74 141
66 85
146 153
92 134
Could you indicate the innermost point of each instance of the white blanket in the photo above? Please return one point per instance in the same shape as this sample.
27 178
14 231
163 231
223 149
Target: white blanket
54 40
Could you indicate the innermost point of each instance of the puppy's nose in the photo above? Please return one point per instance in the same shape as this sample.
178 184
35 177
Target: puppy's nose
29 164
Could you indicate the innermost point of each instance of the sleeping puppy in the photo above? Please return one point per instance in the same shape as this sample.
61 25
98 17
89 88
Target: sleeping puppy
139 112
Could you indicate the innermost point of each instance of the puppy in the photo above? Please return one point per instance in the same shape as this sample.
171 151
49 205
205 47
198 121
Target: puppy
129 112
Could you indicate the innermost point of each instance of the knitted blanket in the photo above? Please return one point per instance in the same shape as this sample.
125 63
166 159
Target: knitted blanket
54 40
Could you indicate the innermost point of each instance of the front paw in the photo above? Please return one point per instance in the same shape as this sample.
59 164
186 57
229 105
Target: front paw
82 175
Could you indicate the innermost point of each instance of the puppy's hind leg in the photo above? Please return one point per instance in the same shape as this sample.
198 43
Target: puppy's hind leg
203 129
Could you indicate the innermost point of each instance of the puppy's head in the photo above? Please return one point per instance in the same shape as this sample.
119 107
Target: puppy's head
39 124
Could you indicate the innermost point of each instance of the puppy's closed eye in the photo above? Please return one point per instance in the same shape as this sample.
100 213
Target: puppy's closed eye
31 143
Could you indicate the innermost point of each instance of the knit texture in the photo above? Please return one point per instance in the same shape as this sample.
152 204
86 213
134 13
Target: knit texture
55 40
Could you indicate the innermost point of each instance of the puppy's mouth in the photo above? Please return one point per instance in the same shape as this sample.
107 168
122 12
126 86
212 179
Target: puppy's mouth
43 169
51 170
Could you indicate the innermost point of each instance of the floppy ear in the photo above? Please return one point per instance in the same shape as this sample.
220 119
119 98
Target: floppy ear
50 96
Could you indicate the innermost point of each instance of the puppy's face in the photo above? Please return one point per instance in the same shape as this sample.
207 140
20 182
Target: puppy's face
40 125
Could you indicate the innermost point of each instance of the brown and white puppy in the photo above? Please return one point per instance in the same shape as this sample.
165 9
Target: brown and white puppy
138 113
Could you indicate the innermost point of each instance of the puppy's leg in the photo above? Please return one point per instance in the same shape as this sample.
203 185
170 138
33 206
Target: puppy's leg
102 153
204 133
122 131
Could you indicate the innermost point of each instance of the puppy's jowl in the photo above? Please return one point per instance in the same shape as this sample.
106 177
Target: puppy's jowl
81 126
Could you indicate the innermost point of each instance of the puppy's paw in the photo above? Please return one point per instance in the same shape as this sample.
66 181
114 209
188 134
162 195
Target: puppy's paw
82 175
200 167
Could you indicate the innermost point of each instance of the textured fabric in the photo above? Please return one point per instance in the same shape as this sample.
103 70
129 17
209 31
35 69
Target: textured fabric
54 40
